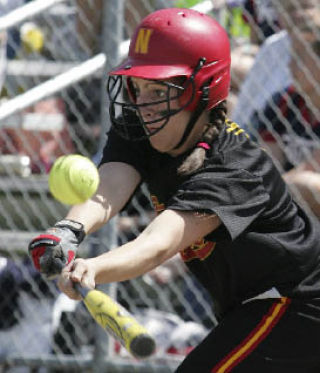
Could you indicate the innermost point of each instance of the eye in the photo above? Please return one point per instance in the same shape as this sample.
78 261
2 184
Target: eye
160 93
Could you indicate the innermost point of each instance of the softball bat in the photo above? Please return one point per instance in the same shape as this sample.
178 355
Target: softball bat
118 322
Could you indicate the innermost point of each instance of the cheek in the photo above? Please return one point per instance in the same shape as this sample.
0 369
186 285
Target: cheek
171 134
179 123
171 130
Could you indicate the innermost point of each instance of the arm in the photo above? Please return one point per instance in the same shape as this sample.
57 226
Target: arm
118 181
57 247
166 235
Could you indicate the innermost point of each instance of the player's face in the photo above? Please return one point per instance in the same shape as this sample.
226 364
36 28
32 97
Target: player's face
168 137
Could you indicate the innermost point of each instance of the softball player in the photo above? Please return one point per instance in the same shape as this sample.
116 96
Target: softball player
221 204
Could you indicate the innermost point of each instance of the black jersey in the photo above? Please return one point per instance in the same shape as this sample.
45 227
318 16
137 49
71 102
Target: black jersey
265 239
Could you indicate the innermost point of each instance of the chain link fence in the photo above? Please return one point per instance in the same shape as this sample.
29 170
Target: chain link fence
54 60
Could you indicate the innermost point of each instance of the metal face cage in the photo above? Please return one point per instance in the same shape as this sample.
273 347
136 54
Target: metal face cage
125 113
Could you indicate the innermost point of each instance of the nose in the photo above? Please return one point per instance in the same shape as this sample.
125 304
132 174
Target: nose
147 109
148 116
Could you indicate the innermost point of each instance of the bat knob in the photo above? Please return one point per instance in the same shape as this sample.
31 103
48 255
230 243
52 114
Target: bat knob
142 346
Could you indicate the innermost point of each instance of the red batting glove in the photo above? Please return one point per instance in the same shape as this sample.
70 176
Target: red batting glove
56 248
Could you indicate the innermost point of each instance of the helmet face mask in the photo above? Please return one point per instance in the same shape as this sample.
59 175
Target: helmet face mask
126 115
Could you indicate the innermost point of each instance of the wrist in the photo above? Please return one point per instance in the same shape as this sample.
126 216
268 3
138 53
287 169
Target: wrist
92 268
93 265
74 226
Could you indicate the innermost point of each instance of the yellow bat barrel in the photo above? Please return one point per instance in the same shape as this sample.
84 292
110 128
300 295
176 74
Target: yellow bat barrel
117 321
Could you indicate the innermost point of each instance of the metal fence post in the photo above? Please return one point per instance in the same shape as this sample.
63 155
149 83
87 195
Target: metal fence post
112 19
106 240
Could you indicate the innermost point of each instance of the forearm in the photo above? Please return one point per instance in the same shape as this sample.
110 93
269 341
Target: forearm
163 238
117 183
93 214
129 261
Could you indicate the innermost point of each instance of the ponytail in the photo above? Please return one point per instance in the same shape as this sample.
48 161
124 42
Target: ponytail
195 160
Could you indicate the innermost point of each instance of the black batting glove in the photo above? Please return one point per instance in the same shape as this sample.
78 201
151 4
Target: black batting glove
56 248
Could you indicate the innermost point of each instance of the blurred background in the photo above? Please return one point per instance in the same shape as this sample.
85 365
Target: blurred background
54 58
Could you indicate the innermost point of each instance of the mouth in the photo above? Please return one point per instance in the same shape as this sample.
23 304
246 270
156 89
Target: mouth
152 130
155 124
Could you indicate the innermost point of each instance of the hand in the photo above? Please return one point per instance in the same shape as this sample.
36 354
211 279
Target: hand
80 271
56 248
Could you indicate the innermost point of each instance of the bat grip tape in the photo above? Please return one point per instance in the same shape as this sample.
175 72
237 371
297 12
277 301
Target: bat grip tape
80 289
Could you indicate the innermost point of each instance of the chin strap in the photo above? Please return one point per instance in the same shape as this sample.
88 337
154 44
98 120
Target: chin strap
203 102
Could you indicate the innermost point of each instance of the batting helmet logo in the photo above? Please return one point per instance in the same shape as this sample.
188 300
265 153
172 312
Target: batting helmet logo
142 41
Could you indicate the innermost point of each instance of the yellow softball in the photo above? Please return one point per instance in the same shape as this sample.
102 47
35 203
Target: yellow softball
73 179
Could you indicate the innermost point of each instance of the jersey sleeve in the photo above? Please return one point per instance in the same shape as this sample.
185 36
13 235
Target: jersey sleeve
235 196
118 149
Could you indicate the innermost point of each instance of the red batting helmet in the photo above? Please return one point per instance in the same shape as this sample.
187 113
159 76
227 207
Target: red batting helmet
177 42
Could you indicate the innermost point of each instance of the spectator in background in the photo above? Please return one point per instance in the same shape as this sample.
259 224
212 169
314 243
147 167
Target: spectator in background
269 73
260 20
26 301
290 122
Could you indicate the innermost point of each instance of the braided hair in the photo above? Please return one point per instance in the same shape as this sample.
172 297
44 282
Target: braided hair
195 160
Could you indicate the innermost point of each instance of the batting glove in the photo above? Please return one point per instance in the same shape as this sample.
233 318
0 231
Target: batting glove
56 248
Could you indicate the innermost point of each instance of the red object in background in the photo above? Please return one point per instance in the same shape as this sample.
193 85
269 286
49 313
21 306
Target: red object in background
40 132
183 351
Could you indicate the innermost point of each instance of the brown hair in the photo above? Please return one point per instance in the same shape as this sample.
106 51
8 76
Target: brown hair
195 160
